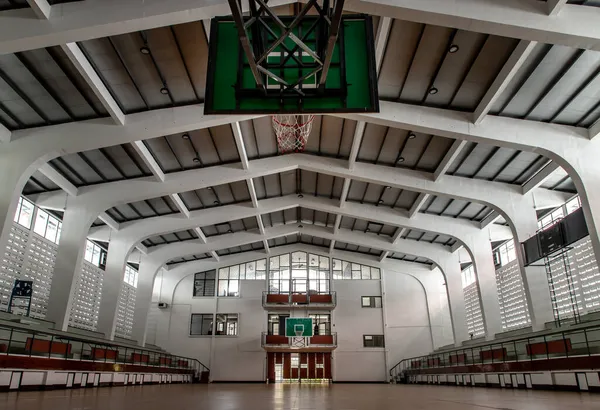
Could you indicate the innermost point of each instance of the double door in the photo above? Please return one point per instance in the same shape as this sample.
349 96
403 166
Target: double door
298 367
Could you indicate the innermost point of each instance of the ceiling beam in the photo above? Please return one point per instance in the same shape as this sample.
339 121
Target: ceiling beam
418 204
383 32
5 134
239 142
108 220
542 176
356 140
384 255
575 26
555 6
252 191
266 246
180 205
41 8
142 248
92 78
200 234
398 235
448 160
594 130
58 179
215 256
503 79
345 190
149 159
490 219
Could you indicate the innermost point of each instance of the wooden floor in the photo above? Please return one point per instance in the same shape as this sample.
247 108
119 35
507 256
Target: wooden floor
283 397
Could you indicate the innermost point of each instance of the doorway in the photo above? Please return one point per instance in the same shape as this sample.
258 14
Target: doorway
313 367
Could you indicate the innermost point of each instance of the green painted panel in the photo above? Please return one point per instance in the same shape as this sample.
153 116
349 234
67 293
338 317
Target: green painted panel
295 325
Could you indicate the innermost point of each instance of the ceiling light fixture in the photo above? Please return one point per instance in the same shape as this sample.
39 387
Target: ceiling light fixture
300 196
186 136
300 226
230 231
367 230
453 49
388 187
401 159
216 202
411 136
380 201
164 91
210 188
196 159
145 50
433 91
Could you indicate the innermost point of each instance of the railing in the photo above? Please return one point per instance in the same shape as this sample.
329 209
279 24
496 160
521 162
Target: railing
327 340
577 343
326 299
27 343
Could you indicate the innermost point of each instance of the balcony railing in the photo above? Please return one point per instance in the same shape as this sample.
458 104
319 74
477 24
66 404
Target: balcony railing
310 300
580 346
328 340
18 344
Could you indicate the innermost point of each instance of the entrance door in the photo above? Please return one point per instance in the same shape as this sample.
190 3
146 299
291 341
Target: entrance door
298 367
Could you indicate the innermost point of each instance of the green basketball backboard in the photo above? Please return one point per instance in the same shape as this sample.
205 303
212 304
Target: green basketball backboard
299 327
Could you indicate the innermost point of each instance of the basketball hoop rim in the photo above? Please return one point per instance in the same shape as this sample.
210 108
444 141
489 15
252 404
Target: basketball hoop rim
297 125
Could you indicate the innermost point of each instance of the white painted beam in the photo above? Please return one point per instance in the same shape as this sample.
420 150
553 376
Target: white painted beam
594 130
384 255
456 247
90 75
41 8
331 246
140 247
149 159
356 140
5 134
252 191
383 32
522 19
503 79
266 246
541 177
259 222
398 235
490 219
200 234
215 256
345 190
108 220
239 142
418 204
206 25
455 149
555 6
56 177
180 205
336 223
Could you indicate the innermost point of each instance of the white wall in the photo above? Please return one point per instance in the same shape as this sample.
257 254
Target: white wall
241 358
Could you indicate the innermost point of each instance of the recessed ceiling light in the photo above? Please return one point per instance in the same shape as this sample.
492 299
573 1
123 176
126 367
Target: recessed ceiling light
453 49
300 196
411 136
216 202
388 187
196 159
164 90
145 50
380 201
401 159
230 231
367 230
210 188
433 90
186 136
300 226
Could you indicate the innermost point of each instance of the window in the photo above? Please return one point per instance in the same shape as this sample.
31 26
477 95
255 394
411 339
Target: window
47 226
131 276
299 272
355 271
95 254
24 213
202 324
573 205
556 215
204 283
371 301
373 341
468 276
505 253
321 323
227 324
229 281
276 324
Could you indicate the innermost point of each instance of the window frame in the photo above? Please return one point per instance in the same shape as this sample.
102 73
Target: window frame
374 338
205 280
226 322
372 302
212 326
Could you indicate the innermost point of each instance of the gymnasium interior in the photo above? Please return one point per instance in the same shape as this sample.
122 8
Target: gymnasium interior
281 205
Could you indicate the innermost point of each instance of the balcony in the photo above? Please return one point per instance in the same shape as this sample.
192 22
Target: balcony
317 343
285 301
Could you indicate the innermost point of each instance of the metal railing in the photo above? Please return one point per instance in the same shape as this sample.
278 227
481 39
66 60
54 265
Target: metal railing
563 344
17 341
328 339
325 299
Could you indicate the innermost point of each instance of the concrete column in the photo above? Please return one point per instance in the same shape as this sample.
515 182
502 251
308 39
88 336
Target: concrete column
118 251
483 264
71 248
143 299
451 269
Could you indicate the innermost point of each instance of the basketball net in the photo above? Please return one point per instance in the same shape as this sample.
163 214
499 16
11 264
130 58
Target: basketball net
292 131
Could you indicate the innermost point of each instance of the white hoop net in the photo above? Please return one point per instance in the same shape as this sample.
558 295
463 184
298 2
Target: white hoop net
292 131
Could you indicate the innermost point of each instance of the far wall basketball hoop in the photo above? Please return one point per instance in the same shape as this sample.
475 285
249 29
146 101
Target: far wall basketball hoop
298 329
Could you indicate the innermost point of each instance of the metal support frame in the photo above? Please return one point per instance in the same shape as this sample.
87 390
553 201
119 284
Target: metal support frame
259 40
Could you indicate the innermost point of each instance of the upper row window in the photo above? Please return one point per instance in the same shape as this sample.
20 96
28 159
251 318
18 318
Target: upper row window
94 254
24 213
354 271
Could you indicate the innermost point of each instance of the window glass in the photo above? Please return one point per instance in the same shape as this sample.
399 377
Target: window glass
201 324
373 341
227 324
41 220
52 230
347 270
204 283
573 205
25 213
